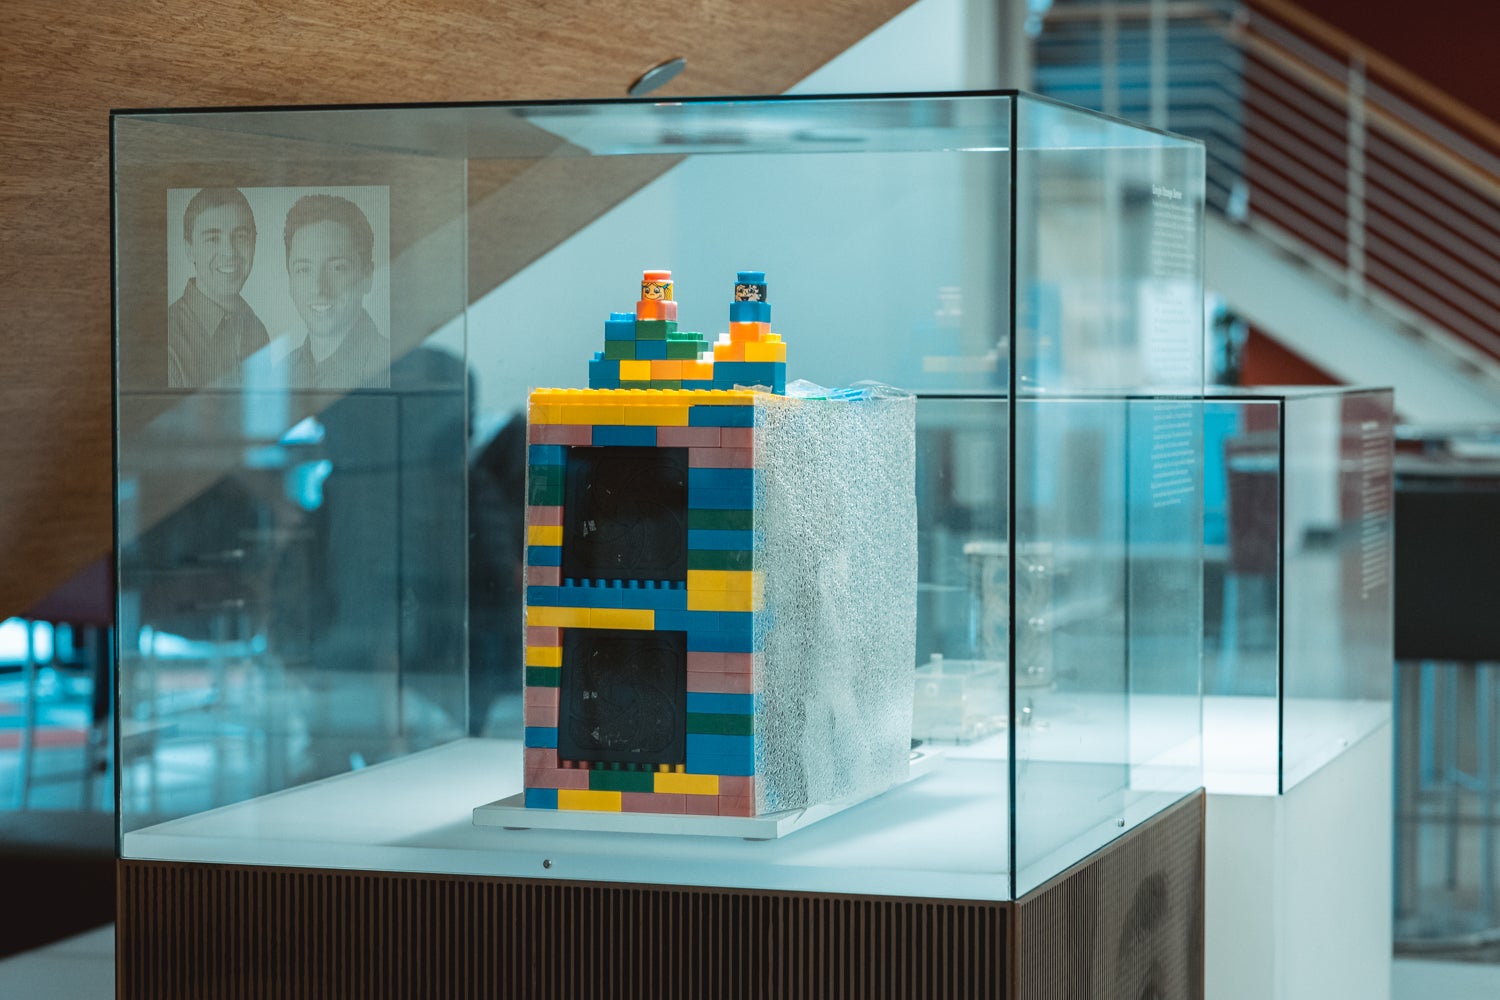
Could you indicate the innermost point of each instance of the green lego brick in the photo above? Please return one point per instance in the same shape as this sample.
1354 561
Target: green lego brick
654 329
720 559
721 520
720 725
543 677
631 385
544 486
685 335
665 383
619 350
683 350
601 780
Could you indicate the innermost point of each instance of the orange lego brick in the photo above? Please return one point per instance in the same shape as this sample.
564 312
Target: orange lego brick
742 333
700 370
666 369
729 352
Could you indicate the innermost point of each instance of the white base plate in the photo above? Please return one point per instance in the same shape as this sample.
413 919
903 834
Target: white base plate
512 814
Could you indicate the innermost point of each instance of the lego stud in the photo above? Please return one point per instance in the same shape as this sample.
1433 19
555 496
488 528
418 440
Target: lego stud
656 285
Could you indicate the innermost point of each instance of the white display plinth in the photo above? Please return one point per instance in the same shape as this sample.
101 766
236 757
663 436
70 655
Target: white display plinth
1299 885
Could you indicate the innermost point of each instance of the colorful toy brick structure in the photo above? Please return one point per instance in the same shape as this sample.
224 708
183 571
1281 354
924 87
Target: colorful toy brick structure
720 604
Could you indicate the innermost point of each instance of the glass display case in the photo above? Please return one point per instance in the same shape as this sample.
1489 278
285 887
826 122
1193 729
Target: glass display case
328 322
1298 522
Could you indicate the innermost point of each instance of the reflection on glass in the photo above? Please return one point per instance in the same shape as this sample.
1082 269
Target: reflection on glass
321 538
1297 529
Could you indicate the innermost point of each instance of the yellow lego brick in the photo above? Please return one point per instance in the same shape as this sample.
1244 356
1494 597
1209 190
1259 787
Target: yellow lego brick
666 369
588 799
558 617
636 618
541 413
590 415
765 351
544 534
723 600
739 580
675 415
544 656
687 784
773 338
635 371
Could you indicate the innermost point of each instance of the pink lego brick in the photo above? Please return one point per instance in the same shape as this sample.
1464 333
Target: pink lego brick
736 805
656 802
542 757
688 437
543 635
715 683
721 458
736 786
737 437
701 805
541 697
559 778
544 515
540 715
561 434
721 663
544 576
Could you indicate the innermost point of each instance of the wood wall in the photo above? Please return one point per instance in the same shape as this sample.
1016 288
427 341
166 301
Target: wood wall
62 67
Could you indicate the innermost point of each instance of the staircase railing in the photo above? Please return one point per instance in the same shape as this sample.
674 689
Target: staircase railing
1333 153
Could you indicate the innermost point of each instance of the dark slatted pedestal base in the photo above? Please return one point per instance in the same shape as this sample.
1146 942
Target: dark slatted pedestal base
1126 923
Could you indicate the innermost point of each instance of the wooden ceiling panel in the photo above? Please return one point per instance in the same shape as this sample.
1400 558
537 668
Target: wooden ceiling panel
65 66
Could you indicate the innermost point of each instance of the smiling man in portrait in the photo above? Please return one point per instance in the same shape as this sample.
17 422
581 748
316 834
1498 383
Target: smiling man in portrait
330 268
210 329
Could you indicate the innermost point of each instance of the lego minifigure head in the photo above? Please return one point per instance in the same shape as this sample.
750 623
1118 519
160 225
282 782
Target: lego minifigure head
656 285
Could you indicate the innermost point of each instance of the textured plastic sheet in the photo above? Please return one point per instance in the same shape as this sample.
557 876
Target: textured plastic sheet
837 502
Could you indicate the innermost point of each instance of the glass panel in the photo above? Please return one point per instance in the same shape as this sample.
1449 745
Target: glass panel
292 540
1336 667
1242 547
1108 442
292 431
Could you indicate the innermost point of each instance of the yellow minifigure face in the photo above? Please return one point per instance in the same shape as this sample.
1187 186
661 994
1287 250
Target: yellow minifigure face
656 290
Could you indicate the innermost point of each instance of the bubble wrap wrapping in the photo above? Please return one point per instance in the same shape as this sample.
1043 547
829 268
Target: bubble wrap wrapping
836 499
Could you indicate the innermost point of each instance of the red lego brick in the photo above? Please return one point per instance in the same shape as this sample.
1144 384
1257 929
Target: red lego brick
558 778
721 663
736 437
736 805
543 716
736 786
544 758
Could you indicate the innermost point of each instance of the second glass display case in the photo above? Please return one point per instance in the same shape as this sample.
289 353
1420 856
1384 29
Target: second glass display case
328 322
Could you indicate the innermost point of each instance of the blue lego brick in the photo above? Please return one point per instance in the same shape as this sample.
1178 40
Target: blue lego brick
624 436
710 499
749 277
717 479
723 642
573 597
721 416
704 539
620 326
542 737
721 704
544 555
651 350
749 312
737 622
549 454
659 599
697 383
682 620
541 798
604 374
714 745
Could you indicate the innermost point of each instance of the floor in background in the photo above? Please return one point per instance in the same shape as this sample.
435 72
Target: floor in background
1412 979
78 968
